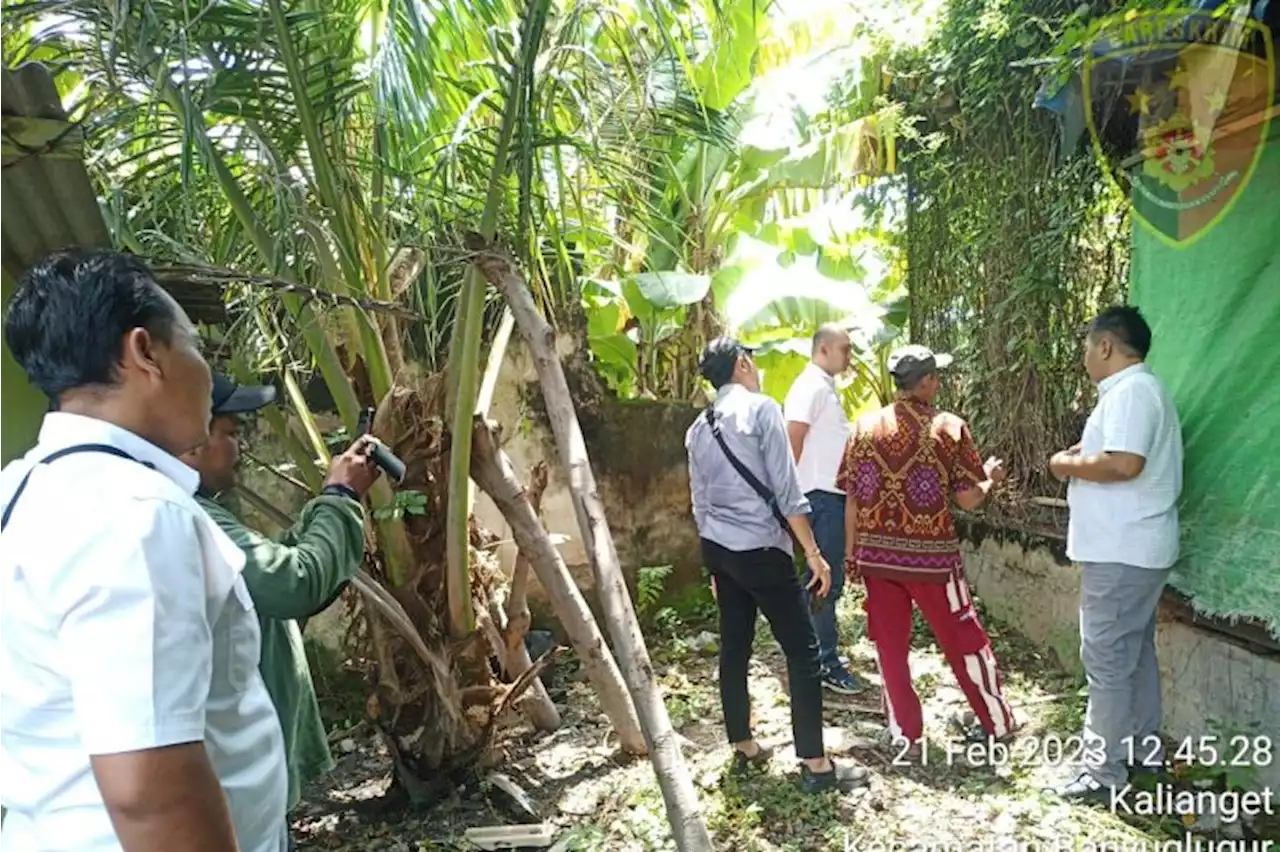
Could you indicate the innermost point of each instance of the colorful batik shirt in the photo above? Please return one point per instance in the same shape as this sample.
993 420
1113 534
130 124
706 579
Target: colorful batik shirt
900 468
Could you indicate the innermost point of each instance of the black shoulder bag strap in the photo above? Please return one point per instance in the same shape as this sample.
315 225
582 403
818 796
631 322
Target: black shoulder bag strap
816 601
756 485
52 457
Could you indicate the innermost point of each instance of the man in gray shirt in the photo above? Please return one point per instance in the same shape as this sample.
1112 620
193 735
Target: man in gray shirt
745 489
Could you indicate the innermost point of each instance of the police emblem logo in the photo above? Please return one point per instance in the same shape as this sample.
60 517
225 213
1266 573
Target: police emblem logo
1179 107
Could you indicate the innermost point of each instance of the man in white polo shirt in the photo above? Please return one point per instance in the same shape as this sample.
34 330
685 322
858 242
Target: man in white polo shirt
132 715
818 430
1125 479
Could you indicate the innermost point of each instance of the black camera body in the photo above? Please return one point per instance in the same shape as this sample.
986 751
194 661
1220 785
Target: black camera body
386 460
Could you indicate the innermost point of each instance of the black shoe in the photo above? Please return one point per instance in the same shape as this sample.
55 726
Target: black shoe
743 765
840 681
839 777
1084 788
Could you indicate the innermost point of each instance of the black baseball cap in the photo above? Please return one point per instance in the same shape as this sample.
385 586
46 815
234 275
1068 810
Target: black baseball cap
719 359
232 398
917 362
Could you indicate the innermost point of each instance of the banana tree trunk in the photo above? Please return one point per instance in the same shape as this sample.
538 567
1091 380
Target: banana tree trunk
687 824
494 475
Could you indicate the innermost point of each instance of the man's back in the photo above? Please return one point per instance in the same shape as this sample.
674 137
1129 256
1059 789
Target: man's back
725 508
125 628
902 466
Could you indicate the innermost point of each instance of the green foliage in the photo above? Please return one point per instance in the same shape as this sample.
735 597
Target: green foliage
763 801
794 155
406 503
1012 244
584 838
650 582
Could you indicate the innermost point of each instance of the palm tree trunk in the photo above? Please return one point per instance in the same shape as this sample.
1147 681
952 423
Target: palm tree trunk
464 349
687 824
494 475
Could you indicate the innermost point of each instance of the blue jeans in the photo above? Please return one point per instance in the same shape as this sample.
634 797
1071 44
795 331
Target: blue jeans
827 519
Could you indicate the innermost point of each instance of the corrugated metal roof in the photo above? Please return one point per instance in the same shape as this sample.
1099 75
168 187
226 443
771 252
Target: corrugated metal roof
47 199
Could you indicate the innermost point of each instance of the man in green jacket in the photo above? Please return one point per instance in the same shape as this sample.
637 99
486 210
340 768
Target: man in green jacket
294 576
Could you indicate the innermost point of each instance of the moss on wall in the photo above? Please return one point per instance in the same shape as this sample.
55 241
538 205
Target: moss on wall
637 441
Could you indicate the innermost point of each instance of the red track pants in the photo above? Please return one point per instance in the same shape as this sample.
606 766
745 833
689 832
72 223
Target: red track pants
950 613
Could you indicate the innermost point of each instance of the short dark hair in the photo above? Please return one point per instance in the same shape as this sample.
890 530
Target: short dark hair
910 381
1127 325
720 360
66 323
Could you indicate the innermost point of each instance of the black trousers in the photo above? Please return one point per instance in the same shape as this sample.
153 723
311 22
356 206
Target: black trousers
765 581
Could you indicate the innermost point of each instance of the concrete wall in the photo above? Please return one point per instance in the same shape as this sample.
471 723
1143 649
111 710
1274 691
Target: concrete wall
637 455
1028 582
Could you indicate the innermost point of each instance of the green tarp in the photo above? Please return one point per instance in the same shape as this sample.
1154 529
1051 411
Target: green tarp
1214 307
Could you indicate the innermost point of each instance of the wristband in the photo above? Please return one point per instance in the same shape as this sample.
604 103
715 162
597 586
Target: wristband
338 490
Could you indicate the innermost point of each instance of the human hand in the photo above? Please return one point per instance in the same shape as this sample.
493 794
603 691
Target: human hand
1059 465
355 468
851 570
821 574
715 593
994 469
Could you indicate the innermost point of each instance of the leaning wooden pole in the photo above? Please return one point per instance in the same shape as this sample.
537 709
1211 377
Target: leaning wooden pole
687 825
515 619
493 473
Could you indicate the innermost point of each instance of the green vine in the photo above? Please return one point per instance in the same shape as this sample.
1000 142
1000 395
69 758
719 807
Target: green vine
1012 244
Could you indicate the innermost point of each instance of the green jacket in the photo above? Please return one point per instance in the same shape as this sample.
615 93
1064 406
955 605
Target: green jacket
294 578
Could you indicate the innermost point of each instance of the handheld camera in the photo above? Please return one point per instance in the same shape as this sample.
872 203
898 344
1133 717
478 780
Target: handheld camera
382 457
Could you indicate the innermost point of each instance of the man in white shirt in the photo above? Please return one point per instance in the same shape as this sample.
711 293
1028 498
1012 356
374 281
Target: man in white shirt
132 715
818 429
1125 479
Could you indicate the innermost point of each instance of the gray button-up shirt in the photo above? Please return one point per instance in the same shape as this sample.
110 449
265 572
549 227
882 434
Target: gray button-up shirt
725 508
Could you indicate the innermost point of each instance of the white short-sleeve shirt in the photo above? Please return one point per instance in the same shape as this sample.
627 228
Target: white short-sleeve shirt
124 626
813 400
1134 522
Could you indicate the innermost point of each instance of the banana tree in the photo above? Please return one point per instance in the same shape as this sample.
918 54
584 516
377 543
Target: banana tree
630 326
807 128
776 294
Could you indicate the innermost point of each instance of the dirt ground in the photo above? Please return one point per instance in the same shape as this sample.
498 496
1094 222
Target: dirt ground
602 802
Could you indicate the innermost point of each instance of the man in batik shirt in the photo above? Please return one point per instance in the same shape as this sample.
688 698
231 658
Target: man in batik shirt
900 471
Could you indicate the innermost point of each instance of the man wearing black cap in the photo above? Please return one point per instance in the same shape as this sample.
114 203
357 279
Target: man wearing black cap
747 504
293 577
901 470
